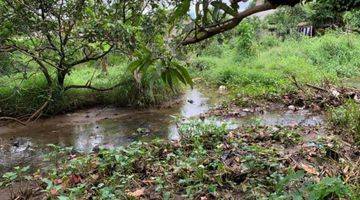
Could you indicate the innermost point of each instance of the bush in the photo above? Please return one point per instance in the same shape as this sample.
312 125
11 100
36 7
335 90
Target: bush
346 119
286 19
245 39
352 19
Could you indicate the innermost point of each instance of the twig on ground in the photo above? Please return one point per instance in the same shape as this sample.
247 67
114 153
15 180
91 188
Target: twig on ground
13 119
316 87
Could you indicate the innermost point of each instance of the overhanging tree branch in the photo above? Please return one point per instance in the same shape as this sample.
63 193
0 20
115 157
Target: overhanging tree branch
226 25
207 31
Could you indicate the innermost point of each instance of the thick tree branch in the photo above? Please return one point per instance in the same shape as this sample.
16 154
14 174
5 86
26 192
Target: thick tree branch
202 33
226 25
87 59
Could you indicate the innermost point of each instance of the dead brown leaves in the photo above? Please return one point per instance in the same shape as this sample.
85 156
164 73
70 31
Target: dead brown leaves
136 193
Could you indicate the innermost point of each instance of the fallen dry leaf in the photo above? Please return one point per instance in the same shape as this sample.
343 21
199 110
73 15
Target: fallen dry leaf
58 181
75 179
309 169
94 176
148 181
137 193
346 169
54 192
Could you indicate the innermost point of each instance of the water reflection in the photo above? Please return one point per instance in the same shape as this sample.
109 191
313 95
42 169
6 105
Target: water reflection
196 103
88 139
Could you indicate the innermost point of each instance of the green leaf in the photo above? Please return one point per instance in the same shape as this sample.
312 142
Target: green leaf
163 76
145 64
48 182
25 169
180 76
224 7
10 176
291 177
63 198
185 74
181 10
169 80
134 65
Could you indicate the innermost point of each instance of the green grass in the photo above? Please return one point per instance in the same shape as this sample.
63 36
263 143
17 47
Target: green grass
311 60
346 120
21 96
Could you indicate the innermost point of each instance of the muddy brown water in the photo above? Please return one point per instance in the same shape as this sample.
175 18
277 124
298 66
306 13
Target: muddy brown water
111 127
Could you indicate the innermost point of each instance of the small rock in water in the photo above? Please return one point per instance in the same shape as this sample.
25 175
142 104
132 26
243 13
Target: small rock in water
143 131
291 107
190 101
96 149
16 144
202 117
246 110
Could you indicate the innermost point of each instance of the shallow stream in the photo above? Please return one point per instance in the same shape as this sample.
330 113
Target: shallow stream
110 127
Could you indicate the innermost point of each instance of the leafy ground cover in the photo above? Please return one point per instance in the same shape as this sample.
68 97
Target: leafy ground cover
209 162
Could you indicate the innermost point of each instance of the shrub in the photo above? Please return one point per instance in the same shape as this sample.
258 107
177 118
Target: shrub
346 119
352 19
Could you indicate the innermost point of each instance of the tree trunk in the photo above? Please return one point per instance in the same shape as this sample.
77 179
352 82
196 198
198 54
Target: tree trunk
61 78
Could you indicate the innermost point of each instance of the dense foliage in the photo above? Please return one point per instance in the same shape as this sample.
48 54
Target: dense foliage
47 42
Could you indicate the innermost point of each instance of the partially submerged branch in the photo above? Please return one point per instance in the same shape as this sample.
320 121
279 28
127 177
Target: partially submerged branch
35 115
39 111
91 87
13 119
